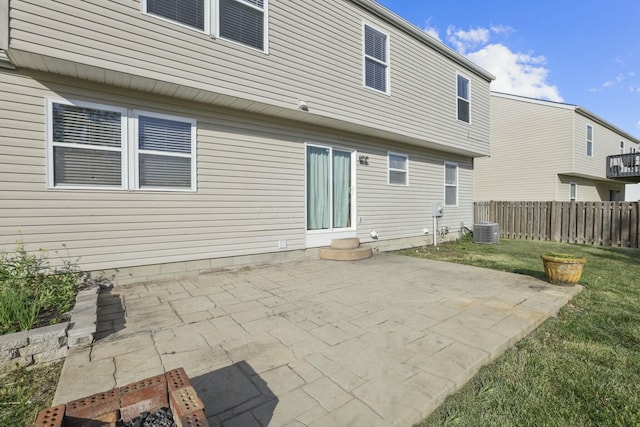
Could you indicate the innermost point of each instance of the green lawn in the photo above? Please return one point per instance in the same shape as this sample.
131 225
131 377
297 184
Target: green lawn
24 392
580 369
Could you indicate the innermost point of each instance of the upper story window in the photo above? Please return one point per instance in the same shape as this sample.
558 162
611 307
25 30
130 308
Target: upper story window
450 184
376 59
188 12
589 140
242 21
464 99
398 169
106 147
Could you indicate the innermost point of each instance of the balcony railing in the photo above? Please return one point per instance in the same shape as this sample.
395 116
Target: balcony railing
625 167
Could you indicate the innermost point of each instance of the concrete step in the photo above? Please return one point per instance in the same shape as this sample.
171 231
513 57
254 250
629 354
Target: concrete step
347 243
354 254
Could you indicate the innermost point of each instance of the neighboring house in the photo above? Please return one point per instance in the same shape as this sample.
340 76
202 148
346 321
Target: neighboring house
542 150
159 137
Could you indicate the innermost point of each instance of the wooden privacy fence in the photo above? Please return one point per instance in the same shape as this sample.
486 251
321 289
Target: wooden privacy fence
589 223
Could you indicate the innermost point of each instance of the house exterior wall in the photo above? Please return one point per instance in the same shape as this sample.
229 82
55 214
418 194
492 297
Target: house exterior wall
588 189
606 142
315 54
250 185
538 148
529 146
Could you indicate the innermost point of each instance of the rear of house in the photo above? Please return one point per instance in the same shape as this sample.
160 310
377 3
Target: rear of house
542 150
153 141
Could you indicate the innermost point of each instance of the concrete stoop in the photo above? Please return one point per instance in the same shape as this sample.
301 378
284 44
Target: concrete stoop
345 250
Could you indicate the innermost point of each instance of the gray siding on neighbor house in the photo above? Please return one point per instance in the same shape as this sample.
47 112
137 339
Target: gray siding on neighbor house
315 54
251 185
530 145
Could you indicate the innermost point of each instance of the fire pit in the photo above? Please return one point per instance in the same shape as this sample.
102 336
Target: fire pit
122 405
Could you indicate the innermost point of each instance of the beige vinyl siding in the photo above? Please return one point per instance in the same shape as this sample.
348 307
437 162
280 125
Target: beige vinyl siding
530 145
315 54
250 194
588 189
606 142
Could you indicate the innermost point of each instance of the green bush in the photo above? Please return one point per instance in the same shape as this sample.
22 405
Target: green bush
32 293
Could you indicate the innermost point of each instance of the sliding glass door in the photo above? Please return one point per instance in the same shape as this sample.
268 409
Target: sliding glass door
329 188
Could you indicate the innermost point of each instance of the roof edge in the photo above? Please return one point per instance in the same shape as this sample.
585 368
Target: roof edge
395 19
574 107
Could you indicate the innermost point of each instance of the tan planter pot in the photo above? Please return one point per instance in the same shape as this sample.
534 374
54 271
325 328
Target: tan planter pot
563 271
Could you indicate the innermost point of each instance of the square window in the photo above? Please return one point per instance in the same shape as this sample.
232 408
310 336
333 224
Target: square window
87 145
242 21
164 152
398 169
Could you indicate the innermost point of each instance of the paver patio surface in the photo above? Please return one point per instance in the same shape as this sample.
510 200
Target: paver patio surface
379 342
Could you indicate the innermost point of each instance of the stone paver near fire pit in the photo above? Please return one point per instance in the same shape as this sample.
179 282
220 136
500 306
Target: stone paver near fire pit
378 342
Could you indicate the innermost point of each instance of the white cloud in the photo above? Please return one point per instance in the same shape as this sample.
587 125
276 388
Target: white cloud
432 31
463 40
619 79
516 73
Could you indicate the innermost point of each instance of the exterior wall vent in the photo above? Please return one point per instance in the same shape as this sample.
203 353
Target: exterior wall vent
485 232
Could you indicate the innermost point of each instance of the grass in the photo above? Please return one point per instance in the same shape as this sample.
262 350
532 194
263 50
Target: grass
579 369
32 292
24 392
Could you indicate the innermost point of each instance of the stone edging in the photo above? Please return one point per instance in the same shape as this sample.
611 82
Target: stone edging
51 343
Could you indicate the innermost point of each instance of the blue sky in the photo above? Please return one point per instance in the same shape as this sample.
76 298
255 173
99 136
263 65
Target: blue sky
580 52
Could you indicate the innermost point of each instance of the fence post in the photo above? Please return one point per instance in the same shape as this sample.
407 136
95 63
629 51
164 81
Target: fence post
554 222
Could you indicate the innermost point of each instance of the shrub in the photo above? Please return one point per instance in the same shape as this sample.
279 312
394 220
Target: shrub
32 292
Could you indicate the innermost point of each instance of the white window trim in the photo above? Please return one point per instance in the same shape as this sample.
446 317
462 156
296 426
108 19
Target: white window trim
590 140
135 164
215 19
212 22
353 189
572 186
207 17
50 144
128 148
467 100
390 169
387 63
448 185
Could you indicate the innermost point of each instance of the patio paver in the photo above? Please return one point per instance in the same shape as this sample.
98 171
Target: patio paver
379 342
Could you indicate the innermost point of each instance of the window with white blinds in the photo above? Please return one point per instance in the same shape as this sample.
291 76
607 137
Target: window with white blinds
89 146
242 21
450 184
188 12
376 59
164 152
